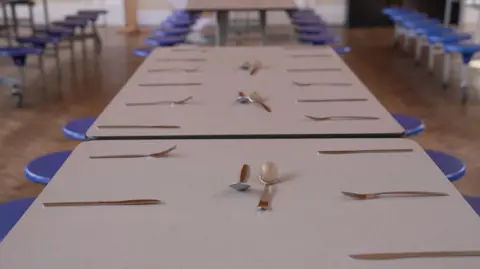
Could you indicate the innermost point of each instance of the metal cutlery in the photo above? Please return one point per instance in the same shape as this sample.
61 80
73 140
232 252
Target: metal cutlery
298 70
95 203
169 84
126 156
367 196
333 84
424 254
138 127
252 98
187 70
179 102
311 55
242 185
255 67
334 118
359 151
268 176
332 100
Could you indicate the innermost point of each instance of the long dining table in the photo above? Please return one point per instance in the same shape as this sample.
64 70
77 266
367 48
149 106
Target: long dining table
223 7
201 222
309 93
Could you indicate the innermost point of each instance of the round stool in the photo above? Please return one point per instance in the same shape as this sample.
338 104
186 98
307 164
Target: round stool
77 129
411 124
473 201
452 167
341 50
164 41
143 52
10 214
42 169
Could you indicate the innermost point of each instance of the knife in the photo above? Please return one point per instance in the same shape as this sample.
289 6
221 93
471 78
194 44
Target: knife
404 255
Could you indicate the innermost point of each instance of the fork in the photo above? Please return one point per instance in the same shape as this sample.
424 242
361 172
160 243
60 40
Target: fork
341 118
339 84
179 102
153 155
366 196
256 98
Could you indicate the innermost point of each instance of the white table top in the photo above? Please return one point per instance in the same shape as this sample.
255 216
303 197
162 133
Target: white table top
213 112
205 224
221 5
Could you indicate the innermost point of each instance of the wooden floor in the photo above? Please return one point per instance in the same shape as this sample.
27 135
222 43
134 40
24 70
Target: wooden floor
88 83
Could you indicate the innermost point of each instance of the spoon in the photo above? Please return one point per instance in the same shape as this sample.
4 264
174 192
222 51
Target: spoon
153 155
366 196
268 176
256 98
179 102
242 185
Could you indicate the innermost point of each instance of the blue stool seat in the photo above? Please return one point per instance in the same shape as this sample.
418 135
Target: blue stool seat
473 201
318 29
71 23
411 124
54 31
164 40
467 50
412 24
96 11
93 17
10 214
448 38
42 169
432 30
403 17
319 39
341 50
171 31
38 41
395 11
19 54
77 129
452 167
143 52
307 21
176 23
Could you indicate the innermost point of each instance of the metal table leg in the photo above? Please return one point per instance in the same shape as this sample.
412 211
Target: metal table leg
263 26
222 28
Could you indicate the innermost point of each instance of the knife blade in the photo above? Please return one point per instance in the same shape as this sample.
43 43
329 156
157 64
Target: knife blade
425 254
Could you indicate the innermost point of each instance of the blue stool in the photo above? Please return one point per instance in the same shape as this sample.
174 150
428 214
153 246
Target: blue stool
467 51
94 11
42 169
164 41
311 21
341 50
77 129
452 167
319 39
318 29
10 214
437 42
41 42
172 31
19 56
422 31
143 52
411 124
474 202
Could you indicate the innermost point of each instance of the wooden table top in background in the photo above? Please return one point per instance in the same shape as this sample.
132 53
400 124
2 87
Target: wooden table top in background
206 224
226 5
213 112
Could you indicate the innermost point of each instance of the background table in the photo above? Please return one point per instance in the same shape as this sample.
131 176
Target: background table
223 7
213 112
205 224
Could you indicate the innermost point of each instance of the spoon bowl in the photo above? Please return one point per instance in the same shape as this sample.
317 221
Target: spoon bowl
269 173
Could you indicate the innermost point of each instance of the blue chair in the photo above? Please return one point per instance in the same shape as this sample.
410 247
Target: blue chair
171 31
143 52
10 214
19 56
317 29
452 167
41 42
422 32
341 50
77 129
467 51
164 41
42 169
438 41
319 39
310 21
411 124
474 202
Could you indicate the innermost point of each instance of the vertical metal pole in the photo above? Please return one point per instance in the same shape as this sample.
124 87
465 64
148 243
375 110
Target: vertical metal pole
263 26
448 13
45 13
5 21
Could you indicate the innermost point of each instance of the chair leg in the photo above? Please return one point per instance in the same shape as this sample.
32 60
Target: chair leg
431 58
96 38
463 83
56 50
14 20
446 69
42 71
31 19
418 50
